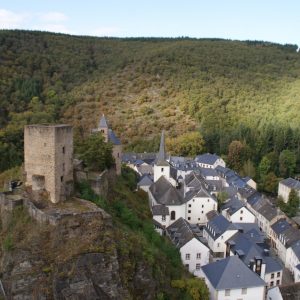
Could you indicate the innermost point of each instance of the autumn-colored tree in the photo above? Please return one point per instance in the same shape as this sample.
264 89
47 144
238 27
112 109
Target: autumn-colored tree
237 155
188 144
194 287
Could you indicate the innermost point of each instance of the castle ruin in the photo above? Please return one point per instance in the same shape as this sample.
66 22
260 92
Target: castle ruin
48 157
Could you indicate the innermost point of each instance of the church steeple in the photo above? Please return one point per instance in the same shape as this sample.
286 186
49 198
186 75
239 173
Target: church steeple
161 156
103 123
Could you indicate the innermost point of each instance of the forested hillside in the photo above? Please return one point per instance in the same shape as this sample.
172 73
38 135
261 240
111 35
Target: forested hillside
247 92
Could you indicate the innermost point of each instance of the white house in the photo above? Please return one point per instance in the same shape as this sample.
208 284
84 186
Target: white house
145 183
249 247
293 259
286 239
235 211
217 231
198 203
162 192
286 185
161 218
208 160
230 278
194 253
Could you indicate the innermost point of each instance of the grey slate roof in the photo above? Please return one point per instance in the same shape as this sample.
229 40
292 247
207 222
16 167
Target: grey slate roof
207 158
145 181
208 172
231 273
218 225
249 249
164 193
112 138
291 183
132 157
181 232
160 210
200 193
102 122
280 226
268 211
290 236
233 205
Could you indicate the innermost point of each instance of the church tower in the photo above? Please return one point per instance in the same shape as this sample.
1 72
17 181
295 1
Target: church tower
103 128
161 166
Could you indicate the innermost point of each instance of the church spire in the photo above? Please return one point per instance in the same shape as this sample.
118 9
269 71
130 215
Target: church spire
161 156
103 123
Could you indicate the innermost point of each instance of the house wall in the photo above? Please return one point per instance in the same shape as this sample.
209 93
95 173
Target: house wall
268 278
179 212
48 153
282 252
291 259
243 215
257 293
160 220
193 247
117 154
198 208
161 171
284 192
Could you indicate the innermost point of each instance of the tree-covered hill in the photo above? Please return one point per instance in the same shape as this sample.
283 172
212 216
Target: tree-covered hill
229 90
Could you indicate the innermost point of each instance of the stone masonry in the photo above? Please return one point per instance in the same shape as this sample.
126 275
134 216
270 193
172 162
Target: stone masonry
48 155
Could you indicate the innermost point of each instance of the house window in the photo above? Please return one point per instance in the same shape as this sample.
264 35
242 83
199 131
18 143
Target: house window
198 255
173 215
61 178
241 218
244 291
272 275
187 256
241 211
202 206
272 283
278 274
198 266
190 205
227 292
162 169
163 218
189 211
202 212
277 282
218 245
189 218
63 150
198 219
207 200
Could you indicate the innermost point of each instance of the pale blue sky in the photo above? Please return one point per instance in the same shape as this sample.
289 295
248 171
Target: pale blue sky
269 20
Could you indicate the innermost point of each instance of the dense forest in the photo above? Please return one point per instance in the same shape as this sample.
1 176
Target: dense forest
242 97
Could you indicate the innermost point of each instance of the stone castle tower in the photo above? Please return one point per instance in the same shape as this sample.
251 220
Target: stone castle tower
109 136
48 151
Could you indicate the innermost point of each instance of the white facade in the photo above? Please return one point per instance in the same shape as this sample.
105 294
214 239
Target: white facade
254 293
273 279
161 171
274 294
194 254
218 246
243 215
198 207
291 261
284 192
218 162
163 220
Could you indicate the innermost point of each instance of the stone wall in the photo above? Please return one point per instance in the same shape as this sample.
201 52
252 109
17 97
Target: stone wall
48 157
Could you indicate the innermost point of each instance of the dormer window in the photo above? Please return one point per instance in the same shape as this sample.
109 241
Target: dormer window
162 169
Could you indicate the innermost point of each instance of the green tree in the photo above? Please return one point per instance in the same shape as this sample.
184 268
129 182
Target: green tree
248 169
264 167
287 163
222 197
194 287
95 152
